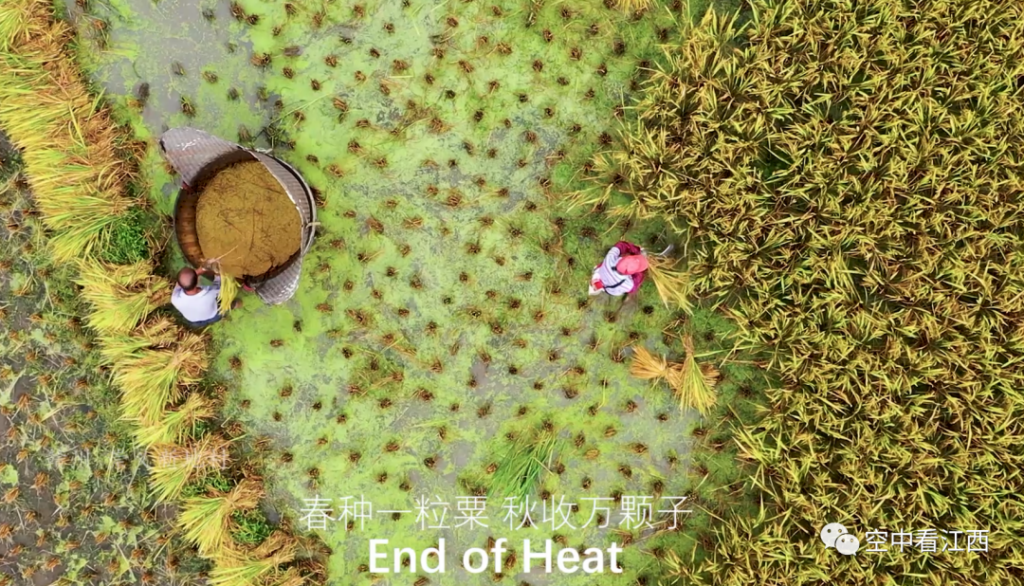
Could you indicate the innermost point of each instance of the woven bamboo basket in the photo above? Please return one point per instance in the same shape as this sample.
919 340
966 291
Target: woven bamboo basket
197 157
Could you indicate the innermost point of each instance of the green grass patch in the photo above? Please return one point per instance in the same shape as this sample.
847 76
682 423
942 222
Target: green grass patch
128 240
209 482
251 527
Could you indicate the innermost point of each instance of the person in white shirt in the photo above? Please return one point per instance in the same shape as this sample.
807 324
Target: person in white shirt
196 303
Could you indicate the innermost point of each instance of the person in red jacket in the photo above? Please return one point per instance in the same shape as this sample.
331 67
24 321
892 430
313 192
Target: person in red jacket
622 271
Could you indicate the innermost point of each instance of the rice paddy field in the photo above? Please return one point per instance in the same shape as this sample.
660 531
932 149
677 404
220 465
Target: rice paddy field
834 335
444 308
442 328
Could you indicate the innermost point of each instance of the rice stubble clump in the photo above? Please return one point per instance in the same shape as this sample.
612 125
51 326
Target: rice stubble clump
245 216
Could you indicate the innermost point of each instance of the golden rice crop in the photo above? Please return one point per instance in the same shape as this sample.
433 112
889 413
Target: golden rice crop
201 522
158 332
673 286
78 165
693 383
247 568
242 574
175 425
65 136
174 466
847 176
151 377
632 5
228 292
279 546
647 366
121 295
290 577
204 519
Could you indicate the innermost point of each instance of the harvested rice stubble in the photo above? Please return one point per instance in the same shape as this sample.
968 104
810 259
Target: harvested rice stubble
245 215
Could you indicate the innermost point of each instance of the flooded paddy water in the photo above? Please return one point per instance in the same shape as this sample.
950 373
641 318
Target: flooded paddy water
443 310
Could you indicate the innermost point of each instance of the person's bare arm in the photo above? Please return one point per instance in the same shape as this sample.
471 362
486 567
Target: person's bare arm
208 269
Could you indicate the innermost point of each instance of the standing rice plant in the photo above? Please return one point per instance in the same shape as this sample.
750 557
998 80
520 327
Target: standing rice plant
121 295
204 520
866 233
174 466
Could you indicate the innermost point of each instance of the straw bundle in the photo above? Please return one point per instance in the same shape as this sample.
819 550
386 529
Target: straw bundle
673 286
159 333
692 383
152 377
79 164
68 142
174 466
228 286
176 424
291 577
121 295
205 519
228 292
647 366
237 568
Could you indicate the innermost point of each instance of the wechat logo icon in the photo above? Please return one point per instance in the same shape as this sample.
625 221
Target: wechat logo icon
847 544
835 535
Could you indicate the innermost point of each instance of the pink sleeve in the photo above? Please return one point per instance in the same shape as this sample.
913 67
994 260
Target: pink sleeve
627 248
